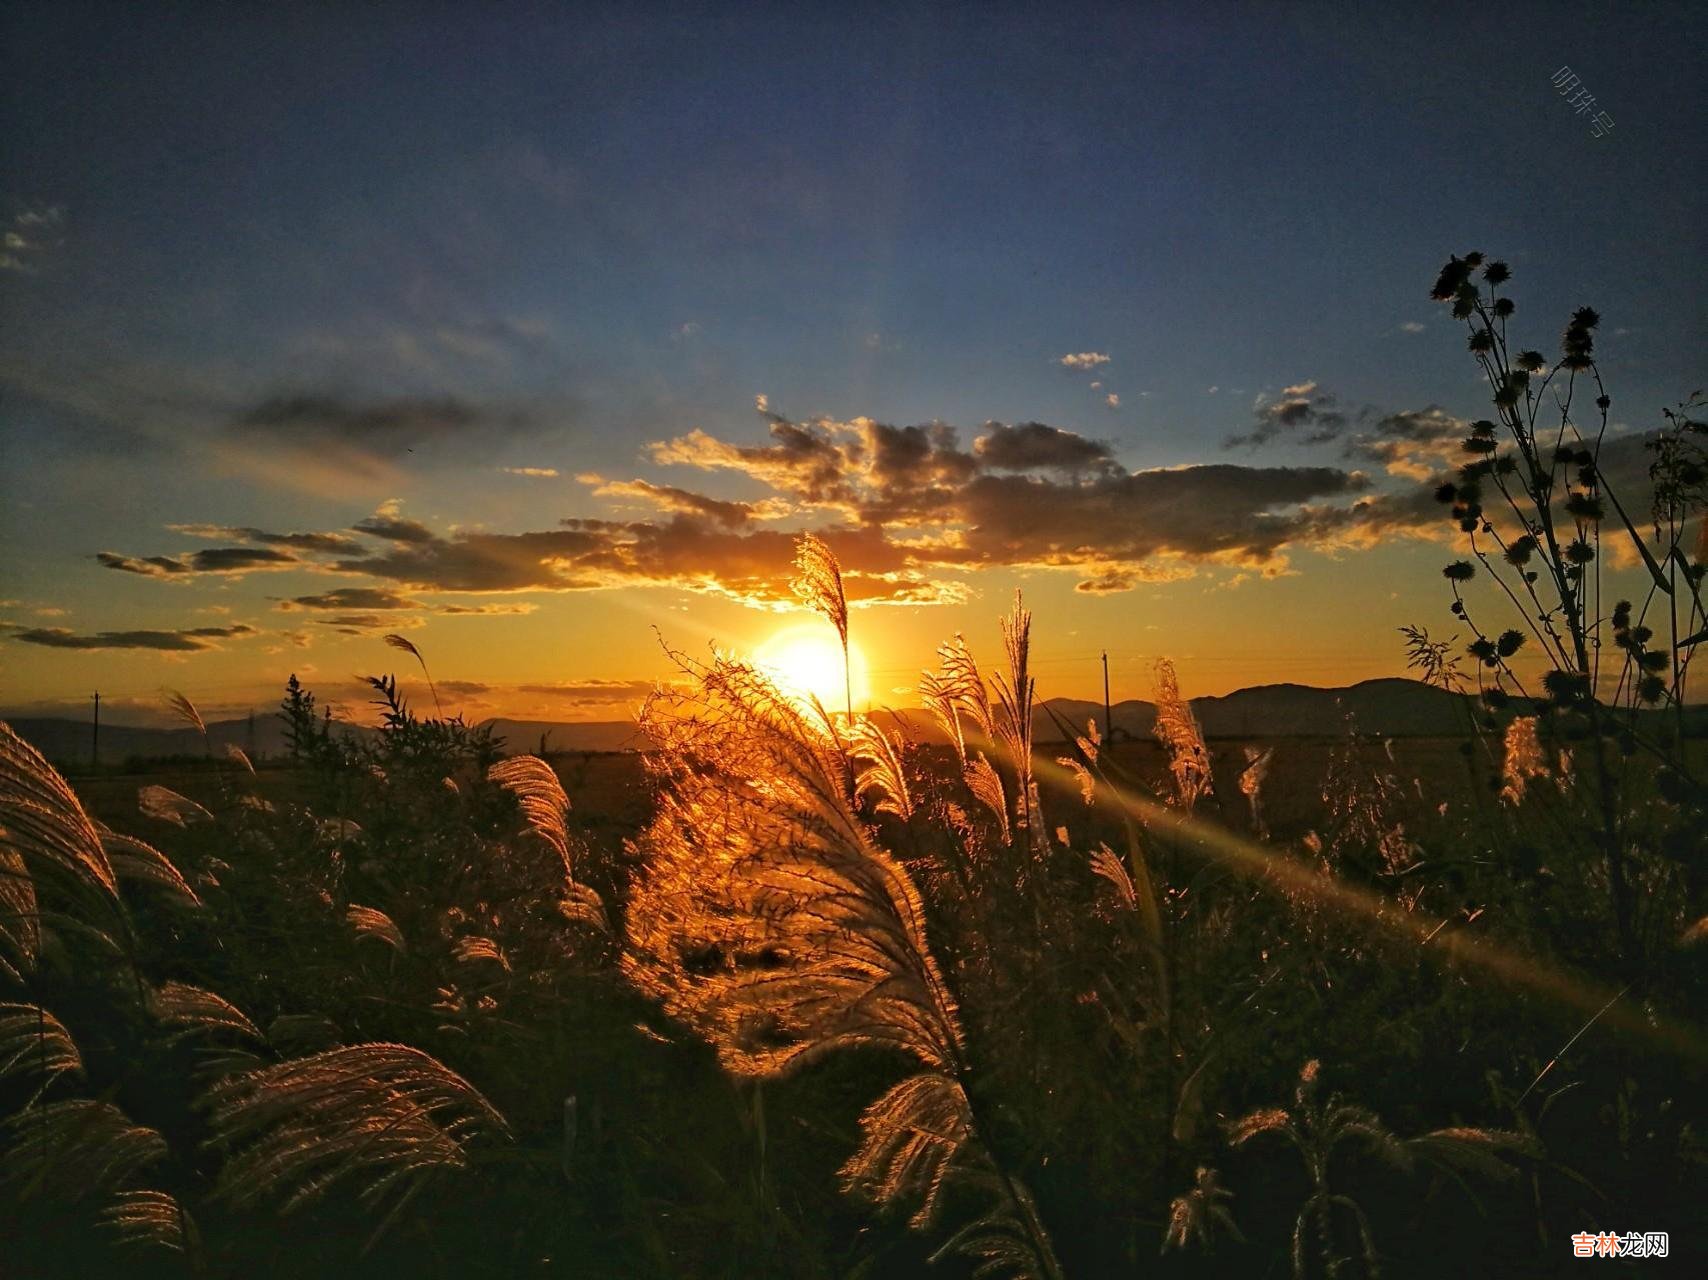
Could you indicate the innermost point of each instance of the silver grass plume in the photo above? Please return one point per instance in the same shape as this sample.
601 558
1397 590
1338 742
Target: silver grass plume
186 711
371 922
47 838
152 1218
139 862
34 1045
1177 729
20 921
165 805
1014 706
818 582
1106 863
66 1151
369 1118
1251 782
1317 1127
768 919
401 642
1197 1216
190 1010
938 694
879 771
1522 759
986 785
545 805
472 948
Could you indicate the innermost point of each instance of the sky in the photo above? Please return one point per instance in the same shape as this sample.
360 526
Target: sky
536 333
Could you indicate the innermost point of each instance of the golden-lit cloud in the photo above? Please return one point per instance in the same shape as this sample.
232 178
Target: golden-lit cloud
351 598
668 498
910 511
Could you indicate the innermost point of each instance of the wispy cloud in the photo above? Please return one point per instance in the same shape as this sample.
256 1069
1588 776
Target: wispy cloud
191 640
227 560
28 235
345 598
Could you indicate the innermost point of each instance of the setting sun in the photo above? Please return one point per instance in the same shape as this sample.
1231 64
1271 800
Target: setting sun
805 660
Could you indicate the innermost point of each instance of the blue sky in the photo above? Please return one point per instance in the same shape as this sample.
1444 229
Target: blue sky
602 227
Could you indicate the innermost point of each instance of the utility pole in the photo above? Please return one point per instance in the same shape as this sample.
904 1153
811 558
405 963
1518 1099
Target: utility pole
95 735
251 736
1108 726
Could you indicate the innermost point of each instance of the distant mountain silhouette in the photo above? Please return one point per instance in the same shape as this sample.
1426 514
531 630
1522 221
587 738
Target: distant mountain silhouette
68 740
1387 707
1390 707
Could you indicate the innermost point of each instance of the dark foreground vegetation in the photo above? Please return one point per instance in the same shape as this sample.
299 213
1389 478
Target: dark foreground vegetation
812 999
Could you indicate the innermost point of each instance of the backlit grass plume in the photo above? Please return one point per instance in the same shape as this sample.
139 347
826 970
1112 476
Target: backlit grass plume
138 862
769 920
957 697
371 1119
879 772
66 1151
35 1047
371 922
1318 1127
166 805
1521 760
401 642
152 1218
191 1010
46 836
1177 729
818 582
545 805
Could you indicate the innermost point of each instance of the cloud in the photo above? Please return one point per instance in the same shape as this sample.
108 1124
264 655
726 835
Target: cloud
1412 326
191 640
599 691
329 444
29 234
386 524
910 512
1302 411
1082 361
147 566
484 610
1417 444
319 543
539 473
352 598
1112 400
1033 446
731 515
380 598
467 687
380 424
233 560
355 624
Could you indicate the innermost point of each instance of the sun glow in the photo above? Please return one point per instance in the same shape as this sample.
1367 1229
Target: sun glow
805 661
